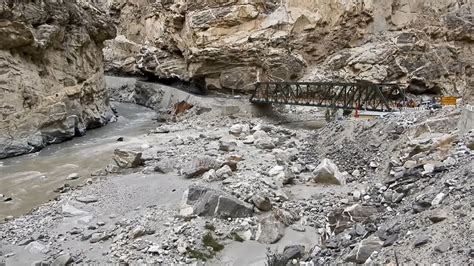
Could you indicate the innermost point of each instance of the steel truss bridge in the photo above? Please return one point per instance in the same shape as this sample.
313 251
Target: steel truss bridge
349 96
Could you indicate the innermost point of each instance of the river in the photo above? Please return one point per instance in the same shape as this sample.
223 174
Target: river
30 180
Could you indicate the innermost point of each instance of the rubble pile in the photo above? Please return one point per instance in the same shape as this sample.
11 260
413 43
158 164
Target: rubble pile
395 189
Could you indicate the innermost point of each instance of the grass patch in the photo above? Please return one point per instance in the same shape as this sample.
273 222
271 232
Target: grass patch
210 227
196 254
209 241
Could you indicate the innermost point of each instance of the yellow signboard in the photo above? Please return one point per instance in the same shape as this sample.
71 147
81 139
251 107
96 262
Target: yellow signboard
448 100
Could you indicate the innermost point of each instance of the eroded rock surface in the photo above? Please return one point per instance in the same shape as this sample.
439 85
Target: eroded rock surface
51 73
231 44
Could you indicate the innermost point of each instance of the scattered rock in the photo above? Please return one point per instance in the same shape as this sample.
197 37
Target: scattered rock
199 166
112 169
438 216
182 107
210 176
204 201
443 247
270 230
428 168
137 232
232 164
373 165
164 166
73 176
438 199
70 211
356 195
328 173
264 143
62 260
276 170
224 172
249 140
390 240
291 253
87 199
36 247
227 144
155 250
421 206
341 219
25 242
262 202
356 173
100 172
421 240
450 161
410 164
362 251
359 230
161 130
40 263
3 198
96 237
236 130
287 217
127 159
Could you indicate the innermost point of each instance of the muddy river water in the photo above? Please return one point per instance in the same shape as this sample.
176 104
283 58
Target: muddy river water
30 180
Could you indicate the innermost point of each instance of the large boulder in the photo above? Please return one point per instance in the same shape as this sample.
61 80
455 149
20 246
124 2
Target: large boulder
199 166
203 201
270 230
364 249
328 173
227 144
341 219
51 70
127 159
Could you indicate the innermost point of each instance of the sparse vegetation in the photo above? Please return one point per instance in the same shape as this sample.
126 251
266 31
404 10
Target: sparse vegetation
196 254
210 226
209 241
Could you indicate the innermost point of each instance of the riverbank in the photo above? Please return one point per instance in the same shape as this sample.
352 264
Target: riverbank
218 188
32 179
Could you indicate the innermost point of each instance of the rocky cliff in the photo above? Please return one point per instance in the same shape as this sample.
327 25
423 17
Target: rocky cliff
229 44
51 72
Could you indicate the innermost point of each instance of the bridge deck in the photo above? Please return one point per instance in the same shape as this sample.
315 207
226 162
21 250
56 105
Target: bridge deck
361 96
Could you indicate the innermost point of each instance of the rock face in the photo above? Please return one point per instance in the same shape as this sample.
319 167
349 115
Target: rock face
51 73
231 44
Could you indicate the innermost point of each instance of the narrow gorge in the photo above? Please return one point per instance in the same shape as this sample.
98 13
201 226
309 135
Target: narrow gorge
130 132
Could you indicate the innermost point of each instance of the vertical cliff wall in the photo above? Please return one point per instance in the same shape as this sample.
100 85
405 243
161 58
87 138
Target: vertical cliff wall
427 45
51 72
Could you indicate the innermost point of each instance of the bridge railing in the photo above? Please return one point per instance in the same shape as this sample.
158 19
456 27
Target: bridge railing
360 96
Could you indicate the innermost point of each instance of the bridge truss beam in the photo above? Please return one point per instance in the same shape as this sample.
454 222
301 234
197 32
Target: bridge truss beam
349 96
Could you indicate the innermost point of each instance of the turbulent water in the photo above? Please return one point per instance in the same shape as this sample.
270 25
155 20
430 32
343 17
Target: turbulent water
31 179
